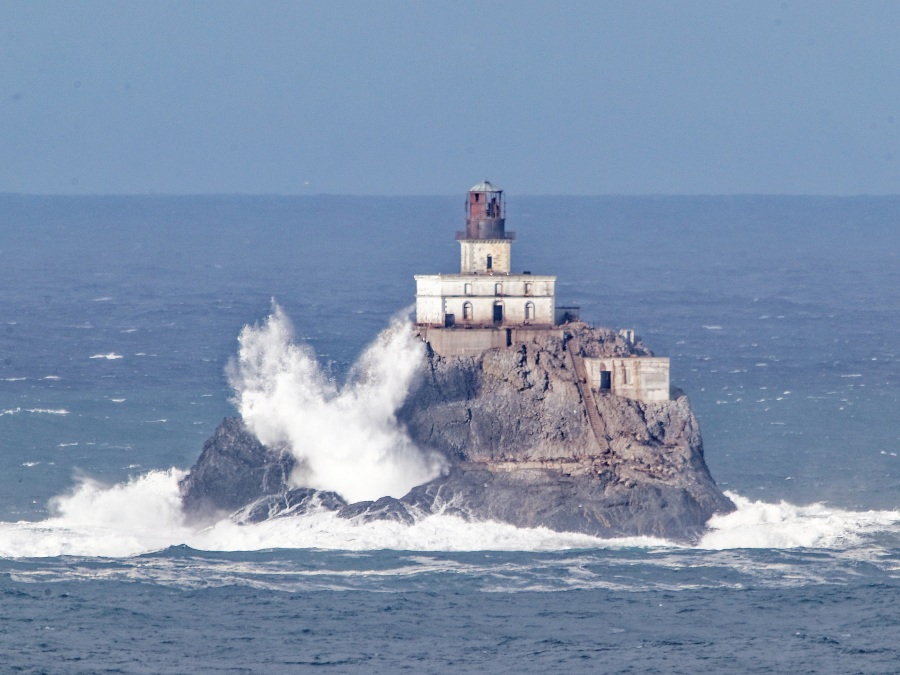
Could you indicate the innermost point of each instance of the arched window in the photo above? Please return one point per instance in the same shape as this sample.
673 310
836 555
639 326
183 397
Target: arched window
527 288
468 289
467 311
529 311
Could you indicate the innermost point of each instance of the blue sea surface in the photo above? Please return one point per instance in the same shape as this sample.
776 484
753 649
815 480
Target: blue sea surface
118 316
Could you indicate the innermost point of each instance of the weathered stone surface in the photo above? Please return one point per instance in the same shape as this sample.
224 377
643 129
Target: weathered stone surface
522 448
386 508
594 502
290 503
516 403
233 470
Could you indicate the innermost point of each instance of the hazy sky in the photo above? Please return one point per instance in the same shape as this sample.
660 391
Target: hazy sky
429 97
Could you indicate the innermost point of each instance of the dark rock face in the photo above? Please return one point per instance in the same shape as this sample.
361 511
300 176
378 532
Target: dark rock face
290 503
566 502
234 469
386 508
514 426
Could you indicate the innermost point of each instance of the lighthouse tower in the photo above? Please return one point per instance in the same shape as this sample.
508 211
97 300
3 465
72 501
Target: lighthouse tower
485 294
485 244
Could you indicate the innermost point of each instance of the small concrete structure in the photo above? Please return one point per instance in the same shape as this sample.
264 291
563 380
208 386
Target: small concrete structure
644 378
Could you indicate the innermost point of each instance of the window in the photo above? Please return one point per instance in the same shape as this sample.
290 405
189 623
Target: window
529 311
467 311
468 289
490 262
498 289
527 288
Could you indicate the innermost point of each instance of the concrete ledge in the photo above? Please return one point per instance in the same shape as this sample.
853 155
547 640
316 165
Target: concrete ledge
581 465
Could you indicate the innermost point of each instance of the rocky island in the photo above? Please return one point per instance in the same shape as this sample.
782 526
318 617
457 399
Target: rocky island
541 419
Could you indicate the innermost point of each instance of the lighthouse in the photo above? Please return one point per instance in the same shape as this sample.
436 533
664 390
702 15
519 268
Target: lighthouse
485 294
485 244
487 306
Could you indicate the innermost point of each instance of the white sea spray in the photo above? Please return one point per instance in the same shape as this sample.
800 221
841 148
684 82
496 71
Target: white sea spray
345 438
139 515
757 524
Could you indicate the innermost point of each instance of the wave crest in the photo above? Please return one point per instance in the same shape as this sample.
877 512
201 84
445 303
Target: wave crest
783 525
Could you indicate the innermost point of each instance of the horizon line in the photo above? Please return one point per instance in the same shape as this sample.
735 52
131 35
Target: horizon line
365 195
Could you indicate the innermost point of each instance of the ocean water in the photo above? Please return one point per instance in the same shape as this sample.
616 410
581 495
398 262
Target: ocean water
119 317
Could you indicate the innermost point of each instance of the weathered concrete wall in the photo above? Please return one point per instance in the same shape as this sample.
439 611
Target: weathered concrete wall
525 299
532 285
462 342
477 311
474 255
520 335
639 378
430 310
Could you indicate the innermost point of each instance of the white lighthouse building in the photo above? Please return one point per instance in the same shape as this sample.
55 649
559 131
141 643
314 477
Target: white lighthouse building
485 293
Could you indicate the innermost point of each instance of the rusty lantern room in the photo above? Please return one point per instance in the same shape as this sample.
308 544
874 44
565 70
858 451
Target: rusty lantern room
485 214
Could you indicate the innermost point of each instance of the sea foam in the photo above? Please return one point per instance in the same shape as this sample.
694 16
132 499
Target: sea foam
144 514
757 524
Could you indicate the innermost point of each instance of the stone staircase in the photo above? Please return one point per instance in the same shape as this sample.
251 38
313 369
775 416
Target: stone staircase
584 389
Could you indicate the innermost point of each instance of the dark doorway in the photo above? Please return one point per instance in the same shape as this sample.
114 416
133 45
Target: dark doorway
490 262
498 313
449 320
606 379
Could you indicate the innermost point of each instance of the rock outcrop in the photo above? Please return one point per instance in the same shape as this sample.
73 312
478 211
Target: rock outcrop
523 446
234 469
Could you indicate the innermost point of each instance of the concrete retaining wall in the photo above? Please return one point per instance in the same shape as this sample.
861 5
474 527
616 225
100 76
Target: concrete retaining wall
474 341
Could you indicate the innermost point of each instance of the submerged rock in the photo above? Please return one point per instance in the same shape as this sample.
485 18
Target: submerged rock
295 502
521 446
